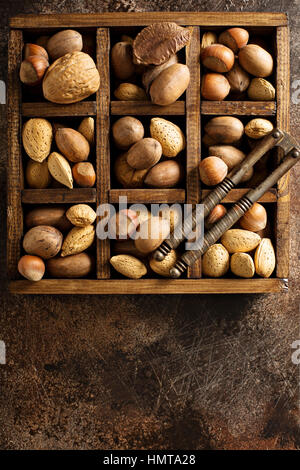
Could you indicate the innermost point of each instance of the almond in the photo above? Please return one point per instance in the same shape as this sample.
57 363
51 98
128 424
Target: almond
169 135
60 169
129 266
264 258
258 128
163 267
130 92
37 138
238 240
81 215
87 129
241 264
215 262
261 90
78 240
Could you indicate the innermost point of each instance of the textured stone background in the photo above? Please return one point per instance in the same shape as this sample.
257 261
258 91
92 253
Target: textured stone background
150 372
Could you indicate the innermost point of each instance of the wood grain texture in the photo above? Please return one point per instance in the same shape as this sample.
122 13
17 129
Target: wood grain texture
139 108
193 131
148 286
84 108
148 196
235 194
58 195
239 108
145 18
14 163
283 122
102 142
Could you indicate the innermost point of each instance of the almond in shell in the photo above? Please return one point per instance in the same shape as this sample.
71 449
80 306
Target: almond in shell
215 262
37 138
264 258
163 267
169 135
129 266
241 264
130 92
78 240
87 129
81 215
60 169
238 240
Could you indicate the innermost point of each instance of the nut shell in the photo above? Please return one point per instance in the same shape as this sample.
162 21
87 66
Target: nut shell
214 86
156 43
144 154
238 79
264 258
37 138
170 84
234 38
78 240
169 135
152 232
229 154
217 58
128 266
224 129
71 78
258 128
261 90
60 169
64 42
127 176
31 267
256 60
212 170
37 174
72 144
215 262
43 240
73 266
87 129
242 265
165 174
130 92
81 215
84 174
127 131
121 60
163 267
237 240
215 215
53 215
154 70
34 49
255 219
32 69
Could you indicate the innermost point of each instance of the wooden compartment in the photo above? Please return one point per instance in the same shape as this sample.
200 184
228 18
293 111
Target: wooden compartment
190 109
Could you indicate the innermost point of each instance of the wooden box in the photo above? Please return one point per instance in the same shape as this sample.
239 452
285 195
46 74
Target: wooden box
190 110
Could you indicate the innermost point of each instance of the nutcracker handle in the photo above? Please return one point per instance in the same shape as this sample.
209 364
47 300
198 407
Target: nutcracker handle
234 214
217 195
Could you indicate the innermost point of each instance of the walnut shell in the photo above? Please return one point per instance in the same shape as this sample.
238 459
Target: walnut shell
71 78
156 43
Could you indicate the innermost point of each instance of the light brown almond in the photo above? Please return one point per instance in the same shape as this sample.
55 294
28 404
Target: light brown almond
169 135
129 266
264 258
81 215
87 129
130 92
78 240
163 267
60 169
241 264
215 262
37 138
238 240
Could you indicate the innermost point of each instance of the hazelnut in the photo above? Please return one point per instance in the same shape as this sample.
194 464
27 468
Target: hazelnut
212 170
234 38
214 86
31 267
33 69
34 49
217 58
84 174
255 219
215 215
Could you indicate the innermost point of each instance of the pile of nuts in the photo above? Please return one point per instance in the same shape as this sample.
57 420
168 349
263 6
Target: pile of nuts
74 149
72 77
236 67
56 241
222 136
151 61
140 163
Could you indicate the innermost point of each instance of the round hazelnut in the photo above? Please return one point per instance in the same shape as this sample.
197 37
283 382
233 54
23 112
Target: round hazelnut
33 69
214 86
217 58
212 170
215 215
84 174
31 267
255 218
35 49
234 38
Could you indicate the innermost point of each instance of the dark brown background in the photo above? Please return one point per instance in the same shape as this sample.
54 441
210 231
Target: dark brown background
150 372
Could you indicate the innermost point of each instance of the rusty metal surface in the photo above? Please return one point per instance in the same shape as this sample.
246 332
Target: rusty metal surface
150 372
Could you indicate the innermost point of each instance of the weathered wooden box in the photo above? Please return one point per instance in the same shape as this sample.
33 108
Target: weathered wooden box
191 111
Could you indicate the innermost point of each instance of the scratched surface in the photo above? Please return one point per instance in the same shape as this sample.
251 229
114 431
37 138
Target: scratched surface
150 372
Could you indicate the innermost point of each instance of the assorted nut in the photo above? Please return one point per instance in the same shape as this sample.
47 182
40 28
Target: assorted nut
238 58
